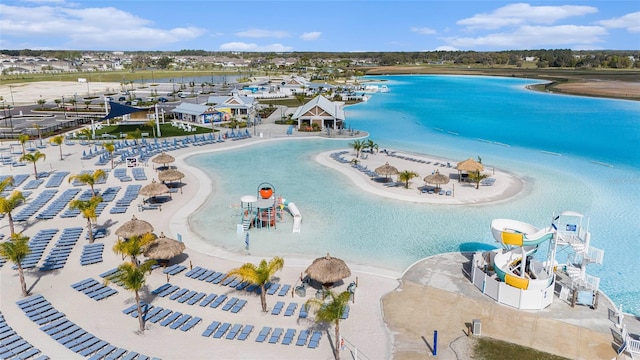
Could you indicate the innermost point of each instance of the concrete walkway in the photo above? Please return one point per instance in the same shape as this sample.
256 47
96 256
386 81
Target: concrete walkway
435 294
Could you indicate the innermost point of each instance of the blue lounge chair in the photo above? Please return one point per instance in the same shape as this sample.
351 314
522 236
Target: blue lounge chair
315 340
210 329
187 296
230 304
263 334
304 311
178 294
180 321
161 289
196 298
219 300
160 316
208 300
291 309
277 308
244 334
221 330
190 324
233 332
102 353
273 288
170 319
275 336
283 291
238 306
288 336
302 338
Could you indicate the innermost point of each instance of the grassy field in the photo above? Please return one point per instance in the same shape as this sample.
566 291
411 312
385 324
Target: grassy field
491 349
146 76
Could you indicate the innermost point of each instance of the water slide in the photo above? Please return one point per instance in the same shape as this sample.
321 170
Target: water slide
293 210
520 240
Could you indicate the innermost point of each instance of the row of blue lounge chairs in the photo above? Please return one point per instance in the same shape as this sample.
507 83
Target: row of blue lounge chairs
94 289
166 317
58 204
35 205
91 254
122 204
175 293
59 254
38 243
217 277
13 346
56 179
65 332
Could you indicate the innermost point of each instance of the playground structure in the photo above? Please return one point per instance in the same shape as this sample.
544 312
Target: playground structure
513 276
264 210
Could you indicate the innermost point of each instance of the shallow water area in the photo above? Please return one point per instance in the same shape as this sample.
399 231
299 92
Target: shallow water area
560 145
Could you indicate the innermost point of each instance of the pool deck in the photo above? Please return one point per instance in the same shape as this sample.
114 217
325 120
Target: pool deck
436 294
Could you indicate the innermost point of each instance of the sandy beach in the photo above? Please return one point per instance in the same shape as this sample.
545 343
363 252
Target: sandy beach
388 306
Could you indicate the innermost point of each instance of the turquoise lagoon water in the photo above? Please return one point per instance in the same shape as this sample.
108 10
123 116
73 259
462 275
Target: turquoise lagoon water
575 153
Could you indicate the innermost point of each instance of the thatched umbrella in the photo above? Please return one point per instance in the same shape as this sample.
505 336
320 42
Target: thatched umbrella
469 165
134 227
171 175
164 248
386 170
328 270
437 179
154 189
163 159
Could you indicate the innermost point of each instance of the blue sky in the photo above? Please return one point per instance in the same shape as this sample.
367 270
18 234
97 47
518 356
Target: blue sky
305 25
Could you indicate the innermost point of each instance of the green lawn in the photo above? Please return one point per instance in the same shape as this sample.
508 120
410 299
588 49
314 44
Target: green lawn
492 349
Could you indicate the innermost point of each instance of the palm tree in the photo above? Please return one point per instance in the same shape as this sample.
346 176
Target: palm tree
110 147
133 246
357 145
33 158
476 177
152 124
8 204
15 250
331 312
371 145
87 133
89 178
8 181
405 176
58 140
259 275
38 127
23 138
133 277
88 210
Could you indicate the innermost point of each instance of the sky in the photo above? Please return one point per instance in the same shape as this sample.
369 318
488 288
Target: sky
325 26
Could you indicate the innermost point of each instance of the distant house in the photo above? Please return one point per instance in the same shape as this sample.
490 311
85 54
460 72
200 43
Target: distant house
320 111
199 114
238 105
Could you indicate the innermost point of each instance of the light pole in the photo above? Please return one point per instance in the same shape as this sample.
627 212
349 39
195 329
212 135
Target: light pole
64 108
11 91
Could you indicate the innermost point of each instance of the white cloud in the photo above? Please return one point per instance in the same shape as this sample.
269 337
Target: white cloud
95 28
522 13
309 36
261 33
631 22
446 48
531 37
253 47
423 30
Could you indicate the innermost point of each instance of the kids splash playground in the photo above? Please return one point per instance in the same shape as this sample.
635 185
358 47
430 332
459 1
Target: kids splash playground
265 209
518 276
